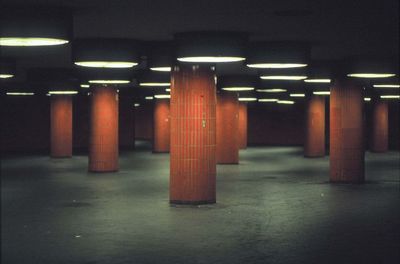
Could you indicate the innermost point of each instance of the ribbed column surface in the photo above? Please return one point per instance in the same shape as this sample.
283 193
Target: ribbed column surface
242 125
314 143
60 126
193 159
227 128
346 132
103 145
126 121
380 126
161 134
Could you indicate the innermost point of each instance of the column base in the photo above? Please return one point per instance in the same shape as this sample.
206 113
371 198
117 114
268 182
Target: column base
313 156
60 157
177 202
102 171
228 163
347 182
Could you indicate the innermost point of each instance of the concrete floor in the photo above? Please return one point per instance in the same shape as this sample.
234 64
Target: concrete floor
275 207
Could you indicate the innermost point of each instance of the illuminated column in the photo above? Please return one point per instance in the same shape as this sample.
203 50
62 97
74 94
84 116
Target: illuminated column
242 125
126 121
103 142
314 143
61 126
346 132
380 123
193 146
161 135
227 128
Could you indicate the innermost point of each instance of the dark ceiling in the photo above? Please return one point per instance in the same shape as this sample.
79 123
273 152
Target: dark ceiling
337 28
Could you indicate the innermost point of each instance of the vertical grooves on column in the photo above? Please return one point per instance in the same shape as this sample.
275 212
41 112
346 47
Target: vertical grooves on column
161 134
314 144
193 113
242 125
346 133
60 126
227 128
103 145
380 126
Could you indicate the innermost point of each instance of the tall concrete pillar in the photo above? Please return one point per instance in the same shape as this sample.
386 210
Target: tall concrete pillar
103 142
161 126
193 135
346 132
314 143
227 128
60 126
242 125
380 126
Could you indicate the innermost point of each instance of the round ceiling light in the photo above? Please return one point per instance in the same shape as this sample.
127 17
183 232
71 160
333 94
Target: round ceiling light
162 96
393 96
7 68
105 75
271 90
308 80
159 55
105 53
247 99
210 47
386 85
322 92
236 83
285 102
35 26
154 79
267 100
289 74
370 68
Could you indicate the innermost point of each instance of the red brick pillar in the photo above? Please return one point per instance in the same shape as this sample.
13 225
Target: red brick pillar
61 126
380 125
346 132
126 121
161 134
314 143
227 128
103 142
242 125
193 112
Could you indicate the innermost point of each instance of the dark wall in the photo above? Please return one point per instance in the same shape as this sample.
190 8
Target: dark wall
144 121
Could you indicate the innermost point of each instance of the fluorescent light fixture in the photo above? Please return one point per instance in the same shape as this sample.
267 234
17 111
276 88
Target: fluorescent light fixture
85 85
283 77
386 85
168 90
285 102
390 96
247 99
26 42
62 92
19 93
297 95
276 65
5 76
272 90
162 96
371 75
162 69
322 92
317 80
267 100
154 84
211 59
149 98
367 99
110 81
136 105
106 64
238 88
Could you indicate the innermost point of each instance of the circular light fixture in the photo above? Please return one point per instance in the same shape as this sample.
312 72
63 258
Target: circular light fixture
271 90
6 76
210 47
154 79
247 99
290 74
267 100
149 98
238 89
386 85
297 95
390 96
7 68
308 80
19 93
322 92
168 90
109 81
283 77
367 99
161 69
277 55
154 84
105 53
35 26
56 92
159 55
285 102
236 83
371 75
162 96
137 105
370 68
55 81
105 76
85 85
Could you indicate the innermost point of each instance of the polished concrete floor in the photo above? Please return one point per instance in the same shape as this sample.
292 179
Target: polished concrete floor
275 207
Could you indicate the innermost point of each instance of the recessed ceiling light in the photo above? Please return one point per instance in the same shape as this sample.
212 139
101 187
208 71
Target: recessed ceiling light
136 105
386 85
85 85
109 81
26 42
367 99
62 92
238 88
19 93
211 59
297 95
162 96
317 80
154 84
168 90
106 64
6 76
149 98
322 92
283 77
162 69
267 100
371 75
285 102
390 96
247 99
276 65
271 90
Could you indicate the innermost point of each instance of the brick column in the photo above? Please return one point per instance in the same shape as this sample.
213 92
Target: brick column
380 126
193 113
227 128
314 143
346 132
103 142
242 125
161 134
61 126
